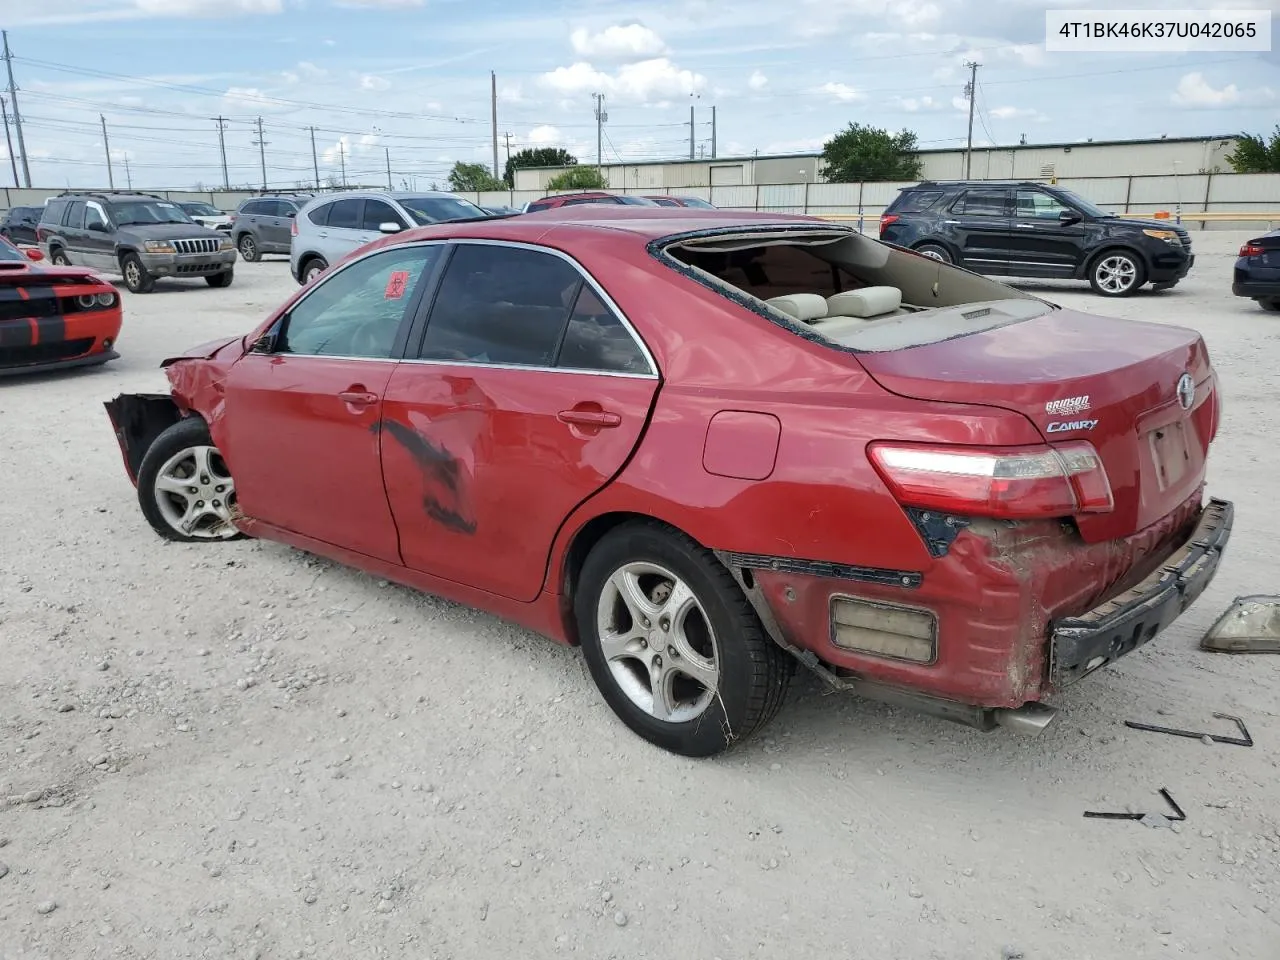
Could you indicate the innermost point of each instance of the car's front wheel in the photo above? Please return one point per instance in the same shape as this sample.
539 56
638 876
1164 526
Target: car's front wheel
220 279
248 248
312 269
1117 273
1271 306
934 252
136 277
184 487
673 644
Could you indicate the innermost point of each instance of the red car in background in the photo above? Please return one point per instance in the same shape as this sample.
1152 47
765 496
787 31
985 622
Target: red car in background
586 197
53 318
707 446
667 200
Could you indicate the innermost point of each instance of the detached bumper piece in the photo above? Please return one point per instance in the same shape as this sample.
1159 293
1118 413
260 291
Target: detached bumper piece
1080 645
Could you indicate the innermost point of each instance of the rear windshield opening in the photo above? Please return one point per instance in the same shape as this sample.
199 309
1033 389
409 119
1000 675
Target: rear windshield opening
851 290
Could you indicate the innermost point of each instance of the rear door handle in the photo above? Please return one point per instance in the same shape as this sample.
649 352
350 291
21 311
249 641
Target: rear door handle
357 396
579 417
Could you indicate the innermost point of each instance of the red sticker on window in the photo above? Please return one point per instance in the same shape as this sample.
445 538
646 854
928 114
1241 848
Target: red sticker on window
396 284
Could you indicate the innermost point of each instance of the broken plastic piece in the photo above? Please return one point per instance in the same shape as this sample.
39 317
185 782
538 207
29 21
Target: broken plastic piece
1250 625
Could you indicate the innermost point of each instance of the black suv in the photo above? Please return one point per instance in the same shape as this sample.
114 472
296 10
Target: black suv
19 224
137 235
265 224
1029 229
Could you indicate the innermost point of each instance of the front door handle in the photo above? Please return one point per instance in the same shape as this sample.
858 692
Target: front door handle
358 396
589 416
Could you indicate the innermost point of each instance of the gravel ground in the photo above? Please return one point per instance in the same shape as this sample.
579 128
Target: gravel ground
240 751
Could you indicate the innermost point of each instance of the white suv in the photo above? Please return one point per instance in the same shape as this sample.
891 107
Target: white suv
331 226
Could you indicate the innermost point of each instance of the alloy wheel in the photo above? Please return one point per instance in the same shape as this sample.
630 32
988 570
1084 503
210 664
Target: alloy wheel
1116 274
195 494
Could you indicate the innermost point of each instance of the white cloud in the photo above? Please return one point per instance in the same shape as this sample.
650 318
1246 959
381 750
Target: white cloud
798 145
370 81
207 8
1015 113
289 77
1195 91
379 4
309 70
758 80
511 93
626 43
841 91
250 98
544 135
648 81
920 104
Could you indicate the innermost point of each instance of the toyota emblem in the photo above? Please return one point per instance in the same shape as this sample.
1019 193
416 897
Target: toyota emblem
1186 390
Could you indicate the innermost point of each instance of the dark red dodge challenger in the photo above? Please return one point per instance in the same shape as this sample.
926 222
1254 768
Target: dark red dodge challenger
52 318
706 445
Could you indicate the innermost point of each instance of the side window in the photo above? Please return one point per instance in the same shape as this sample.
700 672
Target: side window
597 340
377 213
251 209
75 215
539 205
357 311
346 214
983 203
93 214
915 201
271 208
320 215
54 211
1033 204
500 304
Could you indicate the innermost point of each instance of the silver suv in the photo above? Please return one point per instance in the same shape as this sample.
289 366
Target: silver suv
263 224
330 227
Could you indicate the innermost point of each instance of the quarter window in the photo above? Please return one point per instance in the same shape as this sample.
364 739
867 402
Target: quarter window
357 312
597 340
53 211
320 215
500 304
983 203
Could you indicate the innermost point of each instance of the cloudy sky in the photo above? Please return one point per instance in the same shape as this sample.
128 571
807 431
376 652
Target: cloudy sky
410 78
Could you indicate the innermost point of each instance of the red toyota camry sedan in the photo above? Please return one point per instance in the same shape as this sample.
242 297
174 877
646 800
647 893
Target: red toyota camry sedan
707 446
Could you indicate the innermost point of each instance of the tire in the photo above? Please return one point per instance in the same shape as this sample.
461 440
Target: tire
136 278
58 257
220 279
311 268
1271 306
1117 273
248 248
714 633
934 252
186 450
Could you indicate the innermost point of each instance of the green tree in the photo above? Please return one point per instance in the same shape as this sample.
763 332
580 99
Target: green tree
578 178
536 157
868 153
1256 155
473 177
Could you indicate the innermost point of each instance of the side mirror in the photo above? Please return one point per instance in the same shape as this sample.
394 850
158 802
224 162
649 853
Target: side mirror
96 227
1068 217
291 214
33 253
389 227
265 343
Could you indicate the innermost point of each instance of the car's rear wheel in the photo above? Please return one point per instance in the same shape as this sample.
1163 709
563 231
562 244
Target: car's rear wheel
220 279
1117 273
312 268
136 278
184 487
1271 306
934 252
248 248
673 645
58 257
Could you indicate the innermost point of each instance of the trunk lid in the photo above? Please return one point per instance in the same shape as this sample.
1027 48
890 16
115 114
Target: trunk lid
1113 383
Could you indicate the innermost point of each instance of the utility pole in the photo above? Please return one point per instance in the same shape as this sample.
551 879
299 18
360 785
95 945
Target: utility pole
13 161
222 149
127 175
315 163
691 131
713 133
493 104
342 157
508 139
261 144
389 184
17 117
106 145
971 91
601 119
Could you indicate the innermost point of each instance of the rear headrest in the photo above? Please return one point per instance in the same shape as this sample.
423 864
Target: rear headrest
802 306
867 302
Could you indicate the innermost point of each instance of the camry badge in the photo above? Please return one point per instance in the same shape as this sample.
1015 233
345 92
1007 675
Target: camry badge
1186 391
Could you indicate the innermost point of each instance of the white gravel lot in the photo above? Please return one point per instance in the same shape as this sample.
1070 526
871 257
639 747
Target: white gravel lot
239 751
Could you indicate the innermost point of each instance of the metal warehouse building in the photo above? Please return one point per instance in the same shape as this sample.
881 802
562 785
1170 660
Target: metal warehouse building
1102 158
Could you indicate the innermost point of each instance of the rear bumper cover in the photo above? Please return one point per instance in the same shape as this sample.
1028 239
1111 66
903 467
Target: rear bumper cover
1256 289
1080 645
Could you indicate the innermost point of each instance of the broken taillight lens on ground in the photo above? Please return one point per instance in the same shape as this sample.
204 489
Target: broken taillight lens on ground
1036 482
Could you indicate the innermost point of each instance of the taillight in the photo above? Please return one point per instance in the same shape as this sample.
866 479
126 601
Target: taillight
1251 250
293 228
887 219
994 481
